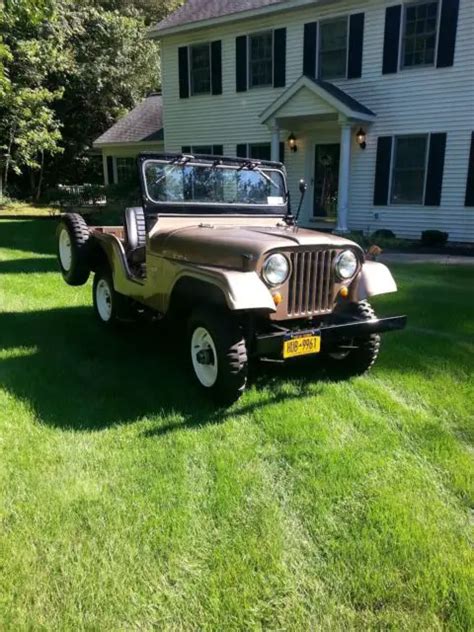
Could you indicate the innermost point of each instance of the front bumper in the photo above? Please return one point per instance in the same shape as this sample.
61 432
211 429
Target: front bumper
332 334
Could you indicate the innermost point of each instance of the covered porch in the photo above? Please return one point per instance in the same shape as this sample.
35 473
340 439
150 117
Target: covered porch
322 122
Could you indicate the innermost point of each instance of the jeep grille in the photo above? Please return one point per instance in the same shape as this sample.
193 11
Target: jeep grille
311 284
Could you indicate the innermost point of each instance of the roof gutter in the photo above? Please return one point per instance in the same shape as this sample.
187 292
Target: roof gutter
286 5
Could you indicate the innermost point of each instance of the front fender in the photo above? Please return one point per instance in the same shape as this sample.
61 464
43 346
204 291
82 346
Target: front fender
242 290
374 279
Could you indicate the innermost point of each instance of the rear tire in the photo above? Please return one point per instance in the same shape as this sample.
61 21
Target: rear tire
74 249
354 362
218 354
110 307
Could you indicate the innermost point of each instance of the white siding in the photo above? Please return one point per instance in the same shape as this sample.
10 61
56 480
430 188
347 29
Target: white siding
419 100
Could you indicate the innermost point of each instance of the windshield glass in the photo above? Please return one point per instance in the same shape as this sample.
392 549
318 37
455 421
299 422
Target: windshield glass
213 184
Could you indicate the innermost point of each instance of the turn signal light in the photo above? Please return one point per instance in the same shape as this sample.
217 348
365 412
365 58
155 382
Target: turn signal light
344 292
277 298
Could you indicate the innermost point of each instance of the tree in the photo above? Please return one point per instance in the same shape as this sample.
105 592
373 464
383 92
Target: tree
31 52
113 66
68 70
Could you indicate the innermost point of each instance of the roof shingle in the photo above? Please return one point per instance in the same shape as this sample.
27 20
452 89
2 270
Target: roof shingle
198 10
144 123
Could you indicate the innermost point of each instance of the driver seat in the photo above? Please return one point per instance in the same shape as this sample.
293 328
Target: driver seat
135 235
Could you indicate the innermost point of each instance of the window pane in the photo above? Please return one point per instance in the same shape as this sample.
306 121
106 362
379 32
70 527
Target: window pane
410 152
332 65
260 151
408 178
200 69
333 49
213 185
126 170
408 187
334 35
419 38
261 59
202 149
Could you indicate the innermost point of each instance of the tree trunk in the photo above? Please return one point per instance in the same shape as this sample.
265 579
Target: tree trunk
40 179
7 162
32 184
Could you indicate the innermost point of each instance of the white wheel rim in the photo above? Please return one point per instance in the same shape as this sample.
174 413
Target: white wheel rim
103 297
202 343
65 250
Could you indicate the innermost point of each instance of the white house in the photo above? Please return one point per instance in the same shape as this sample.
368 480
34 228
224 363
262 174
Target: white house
371 101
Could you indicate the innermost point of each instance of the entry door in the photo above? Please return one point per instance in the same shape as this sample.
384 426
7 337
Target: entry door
326 180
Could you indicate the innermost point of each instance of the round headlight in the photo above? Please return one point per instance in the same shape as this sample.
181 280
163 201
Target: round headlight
276 269
346 265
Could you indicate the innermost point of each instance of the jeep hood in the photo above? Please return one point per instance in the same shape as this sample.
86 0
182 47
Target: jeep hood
236 247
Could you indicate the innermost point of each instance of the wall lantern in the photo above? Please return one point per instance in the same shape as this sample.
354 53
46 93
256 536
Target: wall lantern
361 138
292 143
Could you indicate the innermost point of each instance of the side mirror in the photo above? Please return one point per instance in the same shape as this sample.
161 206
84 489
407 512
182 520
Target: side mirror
303 186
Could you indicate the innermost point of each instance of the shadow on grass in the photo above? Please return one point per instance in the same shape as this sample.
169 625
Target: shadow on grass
78 376
28 266
29 235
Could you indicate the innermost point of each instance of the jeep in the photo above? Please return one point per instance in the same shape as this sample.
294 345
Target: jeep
216 245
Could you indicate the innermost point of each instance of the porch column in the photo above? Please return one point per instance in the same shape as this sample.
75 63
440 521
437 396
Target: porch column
275 142
344 177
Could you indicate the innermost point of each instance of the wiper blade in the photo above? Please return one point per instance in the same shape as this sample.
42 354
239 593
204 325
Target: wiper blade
267 177
179 161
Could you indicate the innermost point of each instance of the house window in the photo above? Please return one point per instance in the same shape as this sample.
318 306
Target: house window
205 150
260 151
419 35
200 68
126 170
261 59
409 169
333 49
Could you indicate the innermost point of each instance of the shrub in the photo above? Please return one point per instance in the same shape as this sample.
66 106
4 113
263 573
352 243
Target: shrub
382 233
434 238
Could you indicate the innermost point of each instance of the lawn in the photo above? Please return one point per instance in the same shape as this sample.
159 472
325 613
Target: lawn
127 502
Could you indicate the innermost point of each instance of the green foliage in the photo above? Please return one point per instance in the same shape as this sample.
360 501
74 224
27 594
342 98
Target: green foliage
32 51
434 238
68 70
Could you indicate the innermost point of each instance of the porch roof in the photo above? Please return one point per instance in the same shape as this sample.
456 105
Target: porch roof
313 97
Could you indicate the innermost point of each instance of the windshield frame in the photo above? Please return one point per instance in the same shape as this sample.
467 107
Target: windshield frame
180 208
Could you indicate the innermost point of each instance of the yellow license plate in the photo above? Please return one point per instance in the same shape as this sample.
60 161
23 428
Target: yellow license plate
304 345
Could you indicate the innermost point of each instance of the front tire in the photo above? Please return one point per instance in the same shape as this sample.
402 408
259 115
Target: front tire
218 354
110 307
354 362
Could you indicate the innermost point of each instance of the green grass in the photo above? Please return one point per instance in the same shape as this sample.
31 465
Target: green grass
127 502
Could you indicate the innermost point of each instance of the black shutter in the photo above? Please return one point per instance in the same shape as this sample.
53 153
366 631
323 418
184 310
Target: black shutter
382 170
447 33
110 170
391 42
242 150
186 149
469 201
434 177
216 67
309 49
241 63
183 72
356 45
279 58
282 152
218 150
